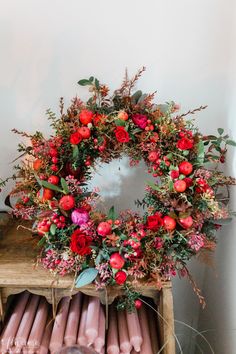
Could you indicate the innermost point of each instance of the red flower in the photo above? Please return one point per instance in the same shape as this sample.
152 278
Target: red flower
140 120
154 222
75 138
120 277
121 135
80 243
185 144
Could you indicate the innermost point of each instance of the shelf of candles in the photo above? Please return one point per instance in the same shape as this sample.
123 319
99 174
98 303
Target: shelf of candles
19 272
29 327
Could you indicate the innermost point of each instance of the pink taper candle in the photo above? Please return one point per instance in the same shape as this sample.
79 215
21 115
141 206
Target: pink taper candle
112 336
143 318
152 320
27 321
125 346
38 327
44 347
134 330
59 326
72 325
82 339
8 335
92 319
100 340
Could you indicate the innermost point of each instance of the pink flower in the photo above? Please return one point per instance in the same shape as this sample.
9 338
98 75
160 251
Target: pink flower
79 216
140 120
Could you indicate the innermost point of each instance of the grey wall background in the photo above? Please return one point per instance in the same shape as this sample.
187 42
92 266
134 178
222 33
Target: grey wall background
188 47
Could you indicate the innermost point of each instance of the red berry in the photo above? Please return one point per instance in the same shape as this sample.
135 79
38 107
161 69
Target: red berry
169 223
84 132
186 168
67 202
174 174
54 168
53 152
55 159
116 261
180 185
85 116
53 179
138 303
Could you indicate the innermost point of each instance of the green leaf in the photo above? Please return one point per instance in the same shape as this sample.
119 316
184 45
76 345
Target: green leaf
53 228
91 79
201 152
86 277
186 152
75 152
120 122
112 214
84 82
231 142
220 131
97 84
51 186
42 241
65 186
153 186
136 96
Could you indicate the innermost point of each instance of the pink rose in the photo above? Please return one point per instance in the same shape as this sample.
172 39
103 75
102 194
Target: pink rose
140 120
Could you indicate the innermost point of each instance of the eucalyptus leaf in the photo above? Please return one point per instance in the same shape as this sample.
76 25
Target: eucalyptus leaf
51 186
84 82
220 131
201 152
231 142
97 84
65 186
53 228
120 122
136 96
153 186
112 214
75 152
86 277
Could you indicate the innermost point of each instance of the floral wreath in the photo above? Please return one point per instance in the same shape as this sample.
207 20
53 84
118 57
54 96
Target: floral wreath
183 206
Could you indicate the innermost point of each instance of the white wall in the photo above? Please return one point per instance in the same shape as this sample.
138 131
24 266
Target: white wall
46 46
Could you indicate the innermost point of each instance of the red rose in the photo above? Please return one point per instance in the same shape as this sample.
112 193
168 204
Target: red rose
185 144
120 277
75 138
121 135
154 221
80 243
140 120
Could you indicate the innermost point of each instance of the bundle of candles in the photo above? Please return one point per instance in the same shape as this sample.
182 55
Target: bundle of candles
80 320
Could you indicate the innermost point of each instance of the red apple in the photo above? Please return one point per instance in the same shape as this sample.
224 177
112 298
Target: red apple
67 202
104 228
85 116
123 115
37 164
187 222
169 223
120 277
185 168
180 185
116 261
71 171
84 132
53 179
174 174
46 194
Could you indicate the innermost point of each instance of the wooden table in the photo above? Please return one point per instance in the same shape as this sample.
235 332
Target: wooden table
18 272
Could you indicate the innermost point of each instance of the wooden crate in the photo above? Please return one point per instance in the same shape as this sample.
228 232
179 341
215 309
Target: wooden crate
18 272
